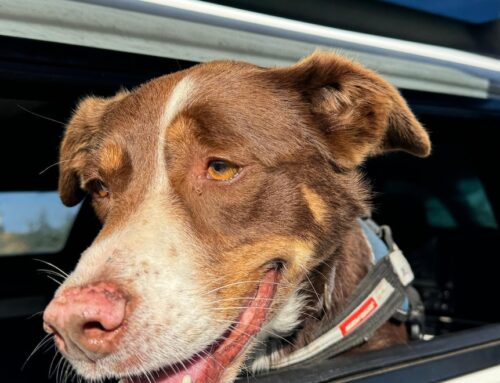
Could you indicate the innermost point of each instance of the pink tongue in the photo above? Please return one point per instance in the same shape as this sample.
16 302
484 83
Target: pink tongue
211 368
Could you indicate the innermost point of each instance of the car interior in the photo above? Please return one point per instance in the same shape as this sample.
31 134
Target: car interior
443 212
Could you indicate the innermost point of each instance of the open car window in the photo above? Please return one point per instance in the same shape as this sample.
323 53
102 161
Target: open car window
34 222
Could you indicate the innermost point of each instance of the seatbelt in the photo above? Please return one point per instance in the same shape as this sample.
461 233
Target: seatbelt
383 293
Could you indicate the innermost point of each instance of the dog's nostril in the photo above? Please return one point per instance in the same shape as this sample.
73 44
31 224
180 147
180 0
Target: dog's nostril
87 319
93 326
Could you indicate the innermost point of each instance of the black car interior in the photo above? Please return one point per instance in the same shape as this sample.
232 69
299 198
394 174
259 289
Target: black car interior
443 210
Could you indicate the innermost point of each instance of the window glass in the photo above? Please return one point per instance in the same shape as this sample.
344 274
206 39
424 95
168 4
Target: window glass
34 222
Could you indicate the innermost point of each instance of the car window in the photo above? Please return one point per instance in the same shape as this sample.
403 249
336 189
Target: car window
33 222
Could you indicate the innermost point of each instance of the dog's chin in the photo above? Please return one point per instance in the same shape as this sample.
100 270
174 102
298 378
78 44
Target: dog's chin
221 361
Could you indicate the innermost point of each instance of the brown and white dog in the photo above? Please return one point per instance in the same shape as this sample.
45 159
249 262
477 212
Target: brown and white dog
229 195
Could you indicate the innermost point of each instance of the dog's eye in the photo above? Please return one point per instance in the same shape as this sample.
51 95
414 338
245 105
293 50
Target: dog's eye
98 189
221 170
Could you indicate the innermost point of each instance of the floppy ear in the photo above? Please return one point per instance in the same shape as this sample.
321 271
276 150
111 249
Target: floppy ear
81 132
360 113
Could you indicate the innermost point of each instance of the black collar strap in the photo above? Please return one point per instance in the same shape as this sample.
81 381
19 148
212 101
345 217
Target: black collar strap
383 293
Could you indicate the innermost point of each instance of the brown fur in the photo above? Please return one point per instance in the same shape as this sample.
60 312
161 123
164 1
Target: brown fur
298 133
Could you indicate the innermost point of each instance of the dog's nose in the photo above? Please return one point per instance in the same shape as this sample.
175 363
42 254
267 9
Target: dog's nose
87 322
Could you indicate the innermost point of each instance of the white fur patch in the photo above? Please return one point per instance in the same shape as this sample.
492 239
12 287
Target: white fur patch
177 101
285 321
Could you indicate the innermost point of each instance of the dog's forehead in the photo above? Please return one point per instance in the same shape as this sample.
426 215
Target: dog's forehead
230 100
135 124
168 95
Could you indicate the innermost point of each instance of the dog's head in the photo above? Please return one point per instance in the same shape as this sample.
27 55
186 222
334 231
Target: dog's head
219 188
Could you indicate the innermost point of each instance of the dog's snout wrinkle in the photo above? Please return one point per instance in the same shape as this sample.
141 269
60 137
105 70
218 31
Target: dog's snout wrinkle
87 320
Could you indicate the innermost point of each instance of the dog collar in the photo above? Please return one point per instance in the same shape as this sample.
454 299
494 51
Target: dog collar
383 293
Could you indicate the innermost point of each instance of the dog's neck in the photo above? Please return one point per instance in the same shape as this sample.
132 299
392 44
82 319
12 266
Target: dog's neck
330 286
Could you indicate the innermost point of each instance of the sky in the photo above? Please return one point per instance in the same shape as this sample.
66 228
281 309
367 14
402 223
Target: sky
19 209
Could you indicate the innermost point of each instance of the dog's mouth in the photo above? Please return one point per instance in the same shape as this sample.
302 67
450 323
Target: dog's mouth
209 365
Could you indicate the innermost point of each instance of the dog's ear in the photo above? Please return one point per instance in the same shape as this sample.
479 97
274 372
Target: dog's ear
360 113
81 134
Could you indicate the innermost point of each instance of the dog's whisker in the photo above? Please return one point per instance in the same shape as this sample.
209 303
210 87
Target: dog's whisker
320 273
209 356
40 344
303 313
56 354
35 314
59 375
182 364
52 272
216 280
255 340
72 375
174 367
143 371
65 274
56 369
51 166
314 290
243 299
75 376
239 283
139 357
262 329
40 115
238 308
147 375
55 280
67 371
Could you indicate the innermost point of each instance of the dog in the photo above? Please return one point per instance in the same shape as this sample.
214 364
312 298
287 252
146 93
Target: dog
229 195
